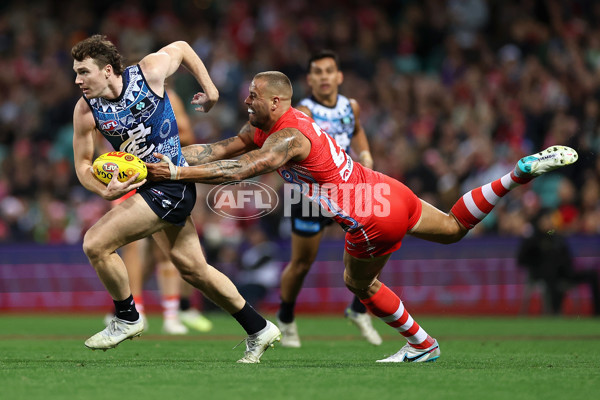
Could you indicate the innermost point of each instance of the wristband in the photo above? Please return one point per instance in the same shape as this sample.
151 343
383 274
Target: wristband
173 169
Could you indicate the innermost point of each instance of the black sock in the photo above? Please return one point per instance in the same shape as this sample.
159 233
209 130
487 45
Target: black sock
357 306
286 312
249 319
184 303
125 309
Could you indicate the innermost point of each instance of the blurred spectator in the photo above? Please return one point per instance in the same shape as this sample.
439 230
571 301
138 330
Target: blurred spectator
448 90
547 257
259 272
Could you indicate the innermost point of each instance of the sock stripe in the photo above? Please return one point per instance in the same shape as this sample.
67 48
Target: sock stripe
518 179
390 309
403 326
388 318
481 201
462 214
374 303
501 186
472 207
413 329
170 305
510 181
421 340
490 196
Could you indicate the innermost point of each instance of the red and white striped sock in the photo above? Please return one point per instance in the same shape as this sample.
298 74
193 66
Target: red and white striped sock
475 205
170 306
389 308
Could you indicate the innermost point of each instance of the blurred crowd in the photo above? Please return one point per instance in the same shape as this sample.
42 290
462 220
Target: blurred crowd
452 94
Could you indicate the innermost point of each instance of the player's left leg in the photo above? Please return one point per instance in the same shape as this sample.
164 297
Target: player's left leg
186 253
360 276
471 208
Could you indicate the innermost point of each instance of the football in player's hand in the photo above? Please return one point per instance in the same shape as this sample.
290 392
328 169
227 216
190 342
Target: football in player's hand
128 164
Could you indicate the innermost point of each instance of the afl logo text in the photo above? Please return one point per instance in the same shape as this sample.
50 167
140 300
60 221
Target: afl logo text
108 125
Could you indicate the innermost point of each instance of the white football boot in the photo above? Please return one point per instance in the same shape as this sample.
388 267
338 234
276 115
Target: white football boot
258 343
410 354
117 331
289 334
547 160
365 326
108 317
173 326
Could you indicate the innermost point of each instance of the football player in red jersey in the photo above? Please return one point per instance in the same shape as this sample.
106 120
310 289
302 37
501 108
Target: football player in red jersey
338 116
375 210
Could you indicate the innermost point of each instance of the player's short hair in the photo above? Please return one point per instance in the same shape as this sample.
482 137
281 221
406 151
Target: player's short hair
101 50
325 53
278 82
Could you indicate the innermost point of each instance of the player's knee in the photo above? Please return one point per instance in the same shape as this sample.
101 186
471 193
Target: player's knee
302 265
454 230
92 247
358 286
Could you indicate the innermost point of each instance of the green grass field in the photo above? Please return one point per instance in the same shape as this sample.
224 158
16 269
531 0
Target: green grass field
43 357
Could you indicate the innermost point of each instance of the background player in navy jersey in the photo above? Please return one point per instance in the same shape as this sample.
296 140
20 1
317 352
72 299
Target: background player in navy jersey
130 108
339 117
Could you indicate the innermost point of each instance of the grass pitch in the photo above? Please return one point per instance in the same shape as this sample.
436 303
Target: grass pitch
43 357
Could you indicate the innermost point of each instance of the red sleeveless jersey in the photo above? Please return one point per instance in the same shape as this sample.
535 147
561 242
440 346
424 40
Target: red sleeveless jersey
328 175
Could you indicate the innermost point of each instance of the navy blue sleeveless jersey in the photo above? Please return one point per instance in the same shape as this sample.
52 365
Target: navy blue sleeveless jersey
142 123
139 121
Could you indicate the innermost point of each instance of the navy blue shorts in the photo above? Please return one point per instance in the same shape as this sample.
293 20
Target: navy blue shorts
171 201
311 223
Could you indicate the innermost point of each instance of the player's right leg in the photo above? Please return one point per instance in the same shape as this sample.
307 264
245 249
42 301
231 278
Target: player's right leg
361 277
303 254
186 253
127 222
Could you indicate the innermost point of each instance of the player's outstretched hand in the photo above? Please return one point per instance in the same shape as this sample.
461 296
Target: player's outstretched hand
116 189
203 102
164 170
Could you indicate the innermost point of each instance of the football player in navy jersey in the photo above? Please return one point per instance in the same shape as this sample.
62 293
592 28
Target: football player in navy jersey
130 108
339 117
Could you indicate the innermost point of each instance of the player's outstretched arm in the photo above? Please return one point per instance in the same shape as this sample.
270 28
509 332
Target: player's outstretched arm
228 148
281 147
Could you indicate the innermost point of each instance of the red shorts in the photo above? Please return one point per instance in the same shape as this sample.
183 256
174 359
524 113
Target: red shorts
382 234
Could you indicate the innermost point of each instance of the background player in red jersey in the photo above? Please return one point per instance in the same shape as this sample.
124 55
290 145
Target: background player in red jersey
288 141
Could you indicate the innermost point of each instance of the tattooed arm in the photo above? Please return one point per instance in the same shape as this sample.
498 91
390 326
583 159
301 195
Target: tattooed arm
228 148
281 147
